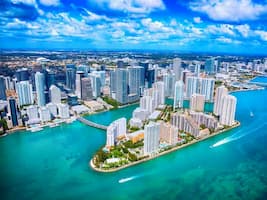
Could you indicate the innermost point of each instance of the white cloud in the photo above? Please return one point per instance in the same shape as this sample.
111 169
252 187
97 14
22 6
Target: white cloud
27 2
221 29
197 20
230 10
50 2
243 30
132 6
262 34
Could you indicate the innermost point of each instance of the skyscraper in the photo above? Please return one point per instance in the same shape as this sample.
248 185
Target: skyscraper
39 83
87 92
221 91
169 83
22 74
177 68
50 78
135 75
55 94
227 113
178 95
210 66
122 85
159 90
197 102
96 85
13 111
151 138
206 88
70 77
196 85
150 77
78 81
24 92
2 88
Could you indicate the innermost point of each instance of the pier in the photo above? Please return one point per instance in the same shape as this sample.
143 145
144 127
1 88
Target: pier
90 123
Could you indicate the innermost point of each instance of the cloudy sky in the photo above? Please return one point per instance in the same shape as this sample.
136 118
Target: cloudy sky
234 26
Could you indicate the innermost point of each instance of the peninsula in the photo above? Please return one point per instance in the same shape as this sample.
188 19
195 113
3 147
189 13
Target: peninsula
156 131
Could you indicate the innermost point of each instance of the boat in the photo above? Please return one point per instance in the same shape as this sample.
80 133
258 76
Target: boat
35 129
53 125
251 114
123 180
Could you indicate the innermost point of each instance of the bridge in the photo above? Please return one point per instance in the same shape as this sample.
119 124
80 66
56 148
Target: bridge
90 123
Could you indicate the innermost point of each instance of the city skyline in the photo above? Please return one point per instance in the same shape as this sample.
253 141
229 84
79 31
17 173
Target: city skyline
233 26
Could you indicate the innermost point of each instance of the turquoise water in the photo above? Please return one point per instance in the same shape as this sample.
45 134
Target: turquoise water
53 163
260 79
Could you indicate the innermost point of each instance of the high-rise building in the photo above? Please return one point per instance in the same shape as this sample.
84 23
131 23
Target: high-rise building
122 85
13 111
116 130
22 74
45 115
169 83
196 85
78 81
150 77
84 68
221 91
207 88
32 112
159 91
135 82
40 90
52 109
197 102
70 77
63 111
178 95
50 78
55 94
2 88
227 114
87 92
24 92
210 66
168 133
113 81
151 138
111 131
96 85
177 68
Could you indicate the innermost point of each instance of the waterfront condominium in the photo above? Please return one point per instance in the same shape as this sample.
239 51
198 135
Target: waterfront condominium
87 91
159 87
116 130
178 95
204 86
227 113
40 88
221 91
122 85
197 102
151 138
135 80
24 92
70 76
55 94
169 81
13 111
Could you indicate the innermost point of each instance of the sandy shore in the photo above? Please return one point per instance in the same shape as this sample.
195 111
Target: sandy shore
162 153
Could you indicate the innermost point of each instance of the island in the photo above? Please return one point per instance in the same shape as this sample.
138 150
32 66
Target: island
157 129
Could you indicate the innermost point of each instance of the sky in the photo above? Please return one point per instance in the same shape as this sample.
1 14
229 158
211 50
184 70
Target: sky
230 26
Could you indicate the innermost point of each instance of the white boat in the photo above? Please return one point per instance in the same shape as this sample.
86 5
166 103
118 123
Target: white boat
123 180
35 129
251 114
53 125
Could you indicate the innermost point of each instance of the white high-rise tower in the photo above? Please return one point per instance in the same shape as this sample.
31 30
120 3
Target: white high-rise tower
221 91
227 114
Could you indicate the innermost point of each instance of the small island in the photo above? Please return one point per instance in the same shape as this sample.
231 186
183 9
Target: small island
156 129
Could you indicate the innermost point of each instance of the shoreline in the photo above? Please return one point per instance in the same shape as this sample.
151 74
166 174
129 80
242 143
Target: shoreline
91 164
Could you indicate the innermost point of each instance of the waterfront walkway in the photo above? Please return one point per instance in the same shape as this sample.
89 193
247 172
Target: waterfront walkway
90 123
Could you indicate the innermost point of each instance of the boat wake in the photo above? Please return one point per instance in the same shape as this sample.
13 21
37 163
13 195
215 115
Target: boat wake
124 180
236 136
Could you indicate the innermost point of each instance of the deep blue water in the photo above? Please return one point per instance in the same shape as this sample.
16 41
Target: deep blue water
53 163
